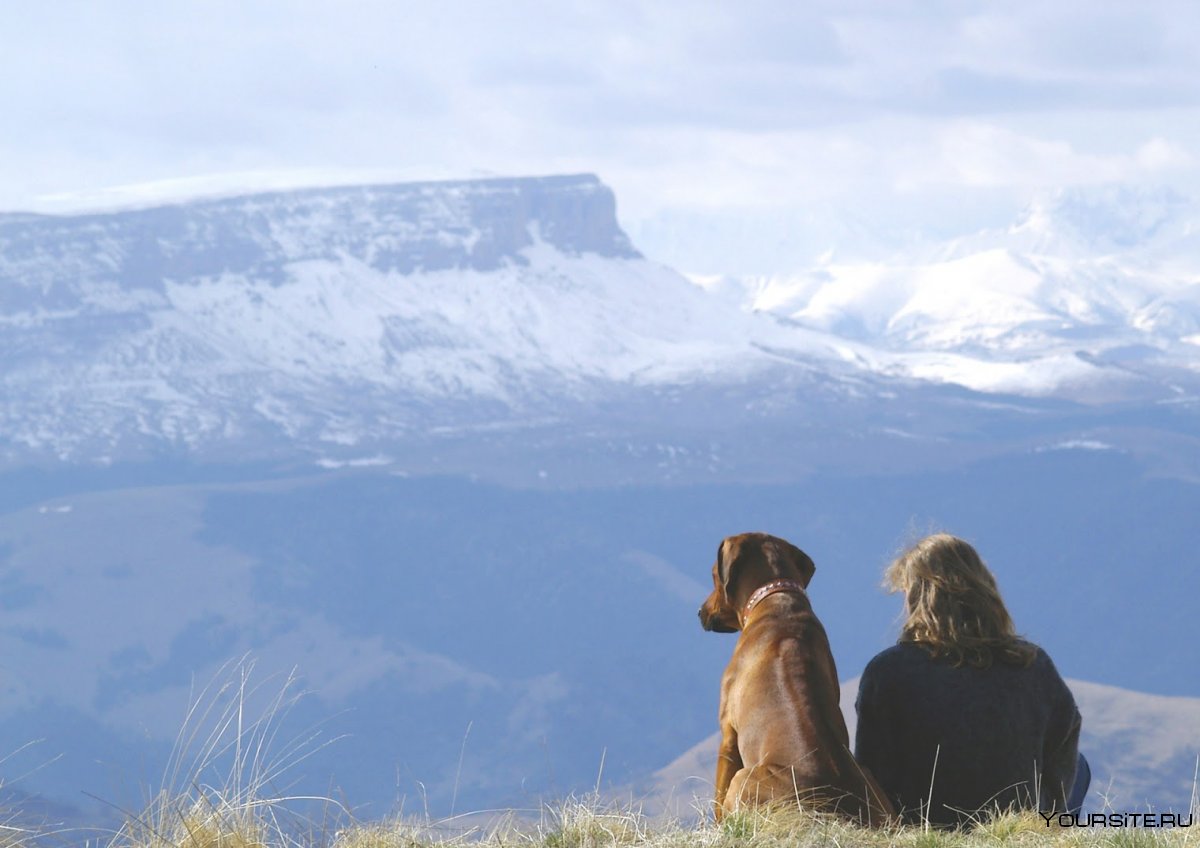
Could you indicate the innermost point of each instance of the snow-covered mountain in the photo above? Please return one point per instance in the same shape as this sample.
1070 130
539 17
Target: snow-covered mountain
1087 290
343 317
348 319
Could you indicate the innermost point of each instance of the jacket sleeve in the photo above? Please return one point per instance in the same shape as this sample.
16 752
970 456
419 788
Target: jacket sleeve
1060 750
874 745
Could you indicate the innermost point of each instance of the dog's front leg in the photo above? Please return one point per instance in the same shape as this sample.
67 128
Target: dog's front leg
729 763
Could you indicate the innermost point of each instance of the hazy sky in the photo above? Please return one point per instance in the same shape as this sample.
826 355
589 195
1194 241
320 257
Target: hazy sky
735 134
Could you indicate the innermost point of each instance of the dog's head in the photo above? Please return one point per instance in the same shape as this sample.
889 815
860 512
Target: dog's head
744 563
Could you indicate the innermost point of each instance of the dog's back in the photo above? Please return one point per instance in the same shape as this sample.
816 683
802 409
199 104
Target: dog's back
782 696
783 738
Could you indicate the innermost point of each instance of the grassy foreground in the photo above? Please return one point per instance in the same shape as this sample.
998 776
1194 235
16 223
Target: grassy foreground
590 824
215 794
204 817
584 825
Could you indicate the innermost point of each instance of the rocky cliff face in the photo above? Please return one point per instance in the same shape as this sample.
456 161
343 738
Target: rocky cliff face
47 262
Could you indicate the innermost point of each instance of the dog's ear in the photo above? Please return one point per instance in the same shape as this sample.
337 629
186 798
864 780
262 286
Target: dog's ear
725 563
803 563
717 612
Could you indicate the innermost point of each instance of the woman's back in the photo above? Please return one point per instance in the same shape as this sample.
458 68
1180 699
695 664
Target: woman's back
945 741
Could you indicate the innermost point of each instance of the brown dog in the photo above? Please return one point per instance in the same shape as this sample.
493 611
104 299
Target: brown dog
783 737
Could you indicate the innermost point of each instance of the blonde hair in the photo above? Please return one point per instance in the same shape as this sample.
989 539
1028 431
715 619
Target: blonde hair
954 607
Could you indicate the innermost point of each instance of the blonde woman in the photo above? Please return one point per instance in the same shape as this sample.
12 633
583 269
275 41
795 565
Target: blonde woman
962 717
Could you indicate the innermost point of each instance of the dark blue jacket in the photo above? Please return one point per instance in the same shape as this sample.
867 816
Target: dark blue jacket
1003 736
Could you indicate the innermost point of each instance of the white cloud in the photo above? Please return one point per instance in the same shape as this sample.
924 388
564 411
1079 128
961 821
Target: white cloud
1159 154
972 154
696 108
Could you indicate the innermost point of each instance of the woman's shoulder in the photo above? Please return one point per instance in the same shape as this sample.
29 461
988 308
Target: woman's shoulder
905 657
1044 666
902 655
1041 660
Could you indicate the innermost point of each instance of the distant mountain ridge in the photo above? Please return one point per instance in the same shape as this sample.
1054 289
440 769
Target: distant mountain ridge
407 227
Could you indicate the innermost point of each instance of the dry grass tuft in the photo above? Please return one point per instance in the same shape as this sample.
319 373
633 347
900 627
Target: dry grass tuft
12 836
396 834
587 824
218 788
